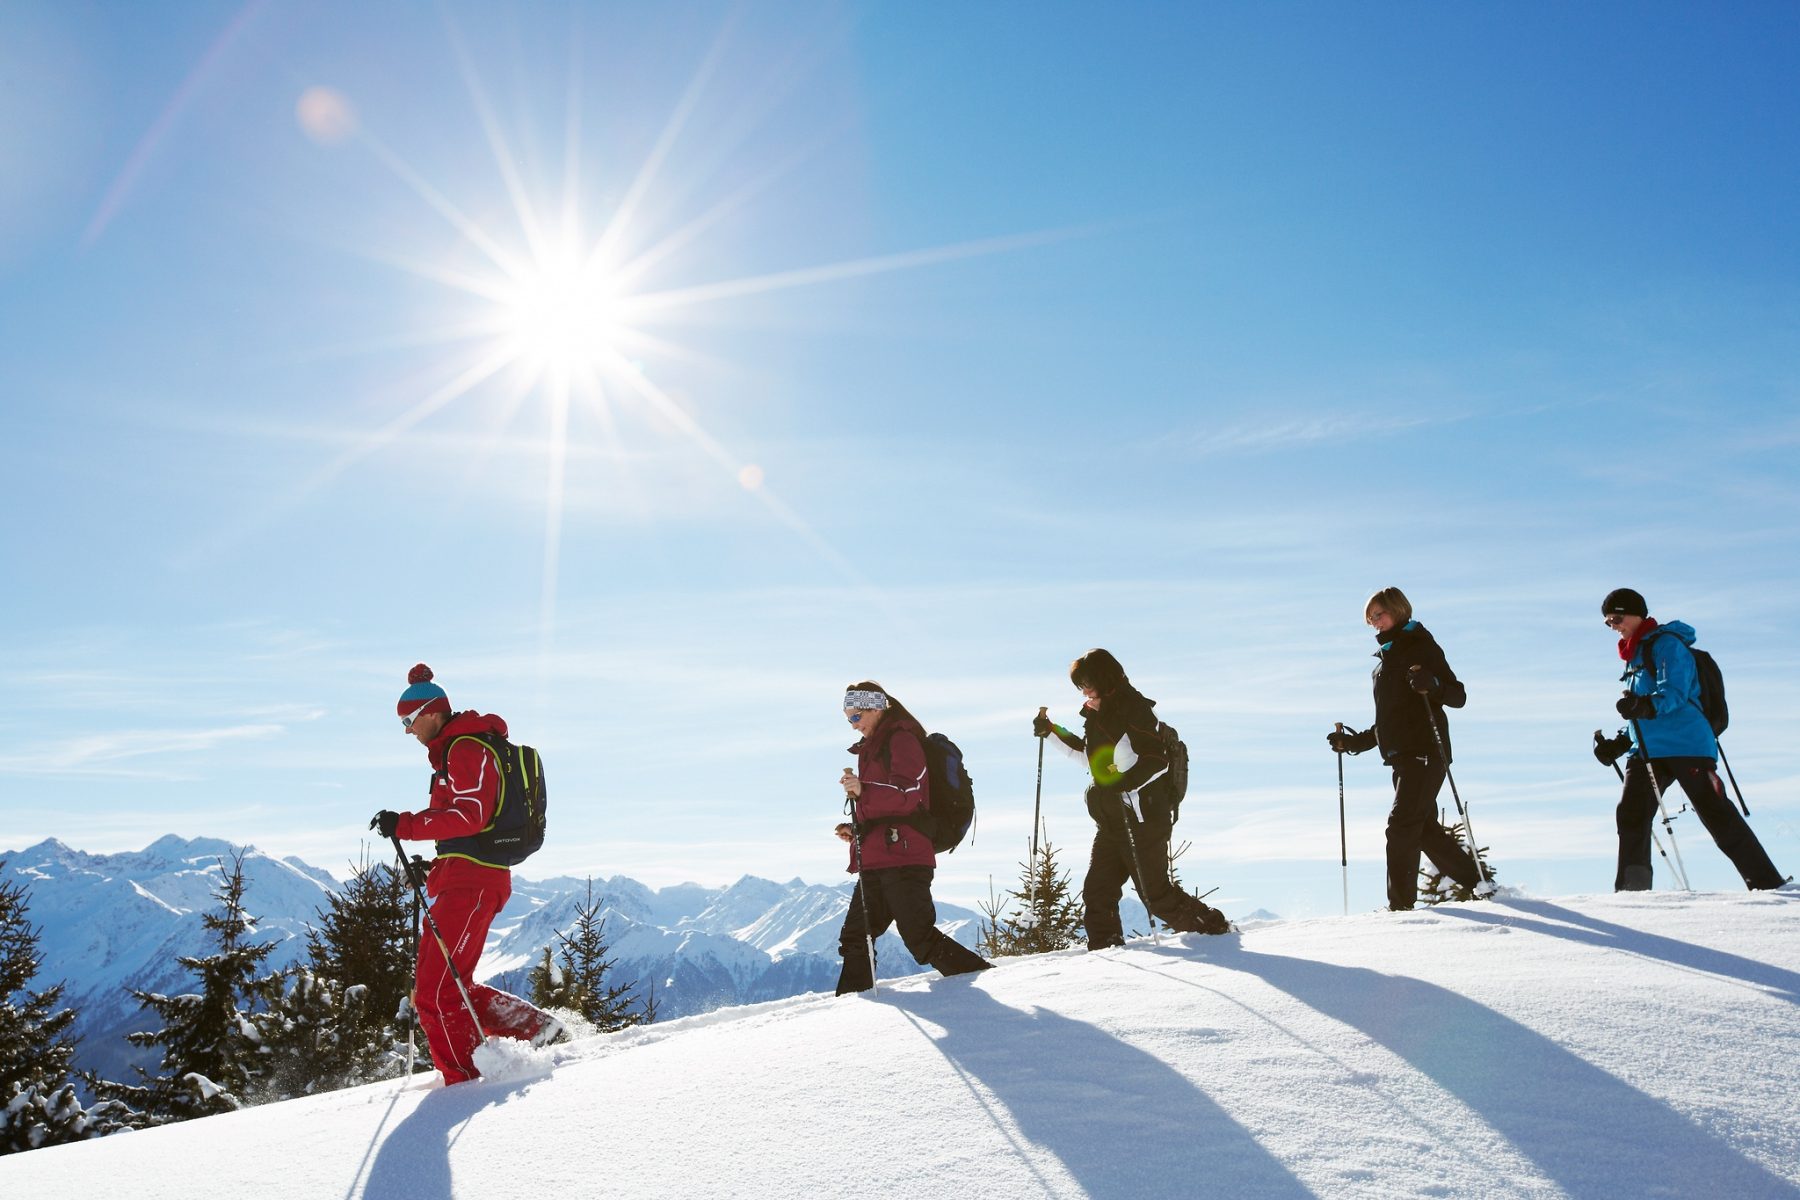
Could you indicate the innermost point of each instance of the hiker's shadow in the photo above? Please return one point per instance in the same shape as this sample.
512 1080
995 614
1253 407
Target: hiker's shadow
1591 931
1122 1122
1586 1129
413 1161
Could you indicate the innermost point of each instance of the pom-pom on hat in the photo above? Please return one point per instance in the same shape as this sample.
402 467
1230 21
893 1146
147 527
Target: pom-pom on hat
422 697
1624 600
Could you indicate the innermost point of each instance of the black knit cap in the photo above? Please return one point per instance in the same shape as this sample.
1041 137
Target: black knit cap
1624 600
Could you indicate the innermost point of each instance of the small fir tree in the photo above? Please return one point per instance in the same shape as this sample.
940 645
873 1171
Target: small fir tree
1437 888
1038 917
212 1050
342 1019
38 1103
575 977
314 1039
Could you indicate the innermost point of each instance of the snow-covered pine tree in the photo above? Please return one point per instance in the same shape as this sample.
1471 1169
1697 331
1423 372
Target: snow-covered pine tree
1438 888
364 938
1038 917
212 1049
550 984
576 978
38 1103
312 1041
342 1019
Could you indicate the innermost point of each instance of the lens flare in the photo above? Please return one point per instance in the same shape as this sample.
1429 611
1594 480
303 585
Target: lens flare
325 115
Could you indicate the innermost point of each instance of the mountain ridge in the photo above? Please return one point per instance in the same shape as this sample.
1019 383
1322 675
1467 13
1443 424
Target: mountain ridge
113 922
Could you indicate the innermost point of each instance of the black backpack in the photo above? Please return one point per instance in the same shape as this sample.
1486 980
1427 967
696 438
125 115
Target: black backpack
517 830
1172 786
1712 686
952 794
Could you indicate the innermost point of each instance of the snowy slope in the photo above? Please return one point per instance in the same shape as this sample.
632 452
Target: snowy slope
1642 1045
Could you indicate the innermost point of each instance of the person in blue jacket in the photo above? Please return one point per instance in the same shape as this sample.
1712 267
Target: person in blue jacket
1669 741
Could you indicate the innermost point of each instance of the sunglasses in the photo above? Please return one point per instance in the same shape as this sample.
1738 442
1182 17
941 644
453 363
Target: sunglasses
406 723
1613 620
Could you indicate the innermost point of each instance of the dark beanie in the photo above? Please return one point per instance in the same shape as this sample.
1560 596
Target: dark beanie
1624 600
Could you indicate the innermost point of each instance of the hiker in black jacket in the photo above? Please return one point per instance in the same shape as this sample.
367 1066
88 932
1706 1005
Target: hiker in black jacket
1132 815
1409 664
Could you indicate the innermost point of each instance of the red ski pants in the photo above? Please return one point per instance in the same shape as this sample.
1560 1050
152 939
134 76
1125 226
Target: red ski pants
463 914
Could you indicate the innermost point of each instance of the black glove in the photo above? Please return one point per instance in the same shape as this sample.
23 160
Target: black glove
385 822
1418 680
1609 749
1041 726
1339 740
1636 708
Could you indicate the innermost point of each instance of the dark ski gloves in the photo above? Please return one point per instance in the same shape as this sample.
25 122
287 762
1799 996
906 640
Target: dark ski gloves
1610 749
1041 726
1418 680
1636 708
385 822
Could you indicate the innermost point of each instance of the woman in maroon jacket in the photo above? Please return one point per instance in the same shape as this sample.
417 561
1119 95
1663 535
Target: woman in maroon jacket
889 799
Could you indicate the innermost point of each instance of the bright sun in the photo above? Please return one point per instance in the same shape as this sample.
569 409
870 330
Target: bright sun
568 319
560 316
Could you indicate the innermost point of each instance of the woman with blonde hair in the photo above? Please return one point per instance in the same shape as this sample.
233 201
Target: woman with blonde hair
1409 664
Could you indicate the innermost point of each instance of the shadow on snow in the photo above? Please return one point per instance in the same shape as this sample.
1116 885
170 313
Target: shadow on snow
1123 1122
1589 1131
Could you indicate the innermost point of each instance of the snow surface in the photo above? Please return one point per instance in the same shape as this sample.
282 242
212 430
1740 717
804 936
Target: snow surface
1602 1046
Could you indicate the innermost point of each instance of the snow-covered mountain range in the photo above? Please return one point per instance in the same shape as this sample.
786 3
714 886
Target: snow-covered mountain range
110 922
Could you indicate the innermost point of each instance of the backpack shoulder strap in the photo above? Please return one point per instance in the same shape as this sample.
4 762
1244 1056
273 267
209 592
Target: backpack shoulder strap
487 741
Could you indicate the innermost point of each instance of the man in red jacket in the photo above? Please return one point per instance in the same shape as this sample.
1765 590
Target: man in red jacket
466 893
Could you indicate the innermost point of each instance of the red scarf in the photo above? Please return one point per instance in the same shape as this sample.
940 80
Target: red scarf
1628 646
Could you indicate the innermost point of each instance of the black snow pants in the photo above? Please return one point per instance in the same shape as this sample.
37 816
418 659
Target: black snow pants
1111 864
1706 795
898 896
1413 827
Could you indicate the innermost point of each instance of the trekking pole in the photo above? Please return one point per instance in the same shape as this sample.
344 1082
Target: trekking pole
862 890
412 1003
1726 763
1431 714
1343 838
1637 735
1131 841
1037 805
1600 737
438 937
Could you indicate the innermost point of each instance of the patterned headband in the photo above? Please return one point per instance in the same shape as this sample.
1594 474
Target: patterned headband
864 699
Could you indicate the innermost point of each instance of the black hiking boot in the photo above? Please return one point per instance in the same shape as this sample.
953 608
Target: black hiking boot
953 958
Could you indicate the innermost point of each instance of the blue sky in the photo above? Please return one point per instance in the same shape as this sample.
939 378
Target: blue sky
920 344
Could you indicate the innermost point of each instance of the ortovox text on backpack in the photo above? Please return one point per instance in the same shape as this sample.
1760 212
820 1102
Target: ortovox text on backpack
516 831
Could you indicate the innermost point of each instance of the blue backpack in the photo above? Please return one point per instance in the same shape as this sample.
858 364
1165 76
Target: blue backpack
952 794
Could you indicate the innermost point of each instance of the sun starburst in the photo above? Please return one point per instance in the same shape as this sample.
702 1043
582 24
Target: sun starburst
564 314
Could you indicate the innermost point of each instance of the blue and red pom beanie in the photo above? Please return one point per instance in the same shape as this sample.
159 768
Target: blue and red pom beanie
422 697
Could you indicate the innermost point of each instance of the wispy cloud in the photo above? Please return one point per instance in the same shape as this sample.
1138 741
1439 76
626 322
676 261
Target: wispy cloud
1269 437
109 755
